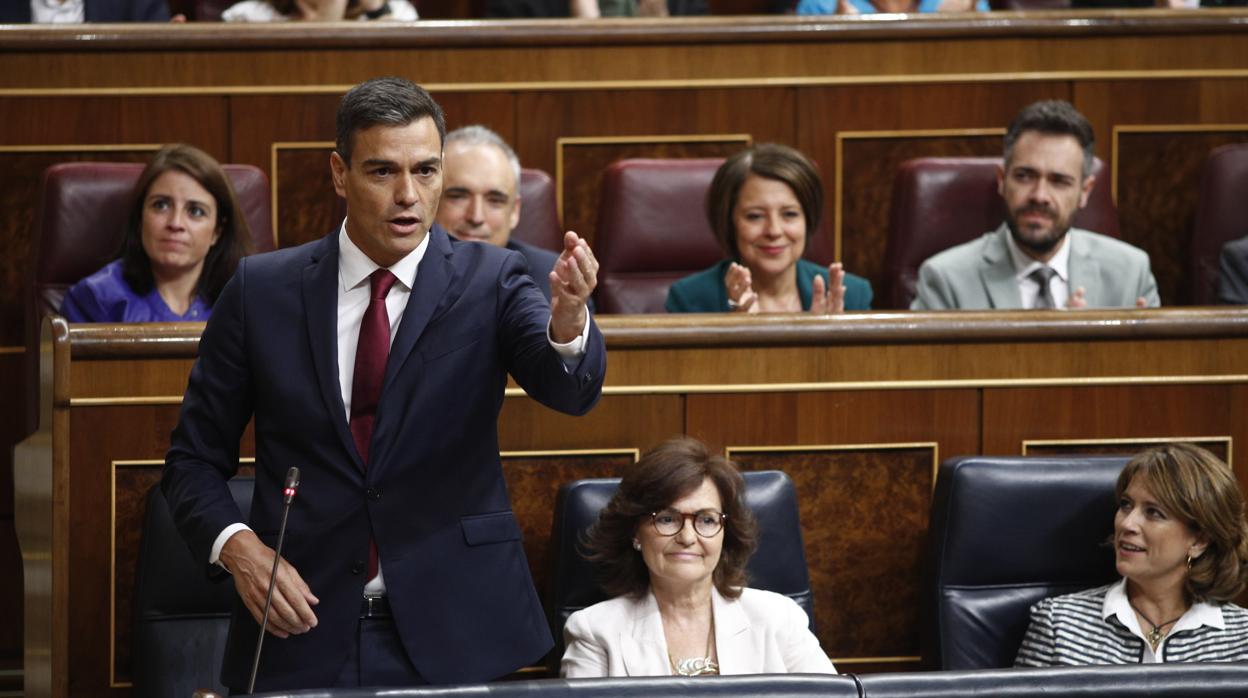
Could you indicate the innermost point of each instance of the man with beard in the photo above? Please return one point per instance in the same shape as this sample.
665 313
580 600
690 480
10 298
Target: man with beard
1035 259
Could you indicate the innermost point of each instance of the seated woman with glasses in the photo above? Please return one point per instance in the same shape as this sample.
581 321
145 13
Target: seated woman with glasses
672 546
1181 545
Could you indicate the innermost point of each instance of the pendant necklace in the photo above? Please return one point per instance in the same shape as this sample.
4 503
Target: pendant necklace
1155 635
698 666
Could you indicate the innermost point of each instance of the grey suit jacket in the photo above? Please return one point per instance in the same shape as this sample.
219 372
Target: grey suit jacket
979 275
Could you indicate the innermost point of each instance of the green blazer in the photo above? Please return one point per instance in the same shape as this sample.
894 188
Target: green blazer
704 292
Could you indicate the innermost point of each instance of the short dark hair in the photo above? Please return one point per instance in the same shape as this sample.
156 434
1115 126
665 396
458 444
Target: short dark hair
1053 117
383 102
233 244
664 474
770 160
1199 490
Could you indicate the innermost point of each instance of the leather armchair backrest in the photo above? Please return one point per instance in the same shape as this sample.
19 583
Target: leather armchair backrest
180 617
778 565
1221 216
1004 533
942 202
539 214
1209 680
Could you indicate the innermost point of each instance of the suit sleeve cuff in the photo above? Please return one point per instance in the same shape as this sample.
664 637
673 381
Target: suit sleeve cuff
215 557
571 352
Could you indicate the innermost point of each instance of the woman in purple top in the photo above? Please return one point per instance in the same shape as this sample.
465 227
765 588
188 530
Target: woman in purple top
183 239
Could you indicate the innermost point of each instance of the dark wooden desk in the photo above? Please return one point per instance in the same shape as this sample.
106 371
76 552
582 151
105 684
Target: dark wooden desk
857 409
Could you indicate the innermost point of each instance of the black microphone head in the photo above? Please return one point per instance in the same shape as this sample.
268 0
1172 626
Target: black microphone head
292 478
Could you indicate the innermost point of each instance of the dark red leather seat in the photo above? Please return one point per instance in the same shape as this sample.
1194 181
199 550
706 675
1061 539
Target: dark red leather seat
1221 216
652 230
942 202
539 214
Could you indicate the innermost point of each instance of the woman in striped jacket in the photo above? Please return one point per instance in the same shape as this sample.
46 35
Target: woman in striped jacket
1181 545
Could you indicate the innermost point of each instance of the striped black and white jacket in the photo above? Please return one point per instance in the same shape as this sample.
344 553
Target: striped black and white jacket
1075 629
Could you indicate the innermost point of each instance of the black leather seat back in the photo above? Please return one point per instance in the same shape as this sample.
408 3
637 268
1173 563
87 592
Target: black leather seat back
1122 681
1006 532
180 616
778 565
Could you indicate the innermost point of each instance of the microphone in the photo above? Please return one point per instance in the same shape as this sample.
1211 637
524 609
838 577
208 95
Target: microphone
288 496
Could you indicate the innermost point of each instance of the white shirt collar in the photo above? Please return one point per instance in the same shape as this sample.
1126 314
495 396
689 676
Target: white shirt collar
1117 604
1024 264
354 267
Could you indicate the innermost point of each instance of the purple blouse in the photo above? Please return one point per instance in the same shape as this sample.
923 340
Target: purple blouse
106 297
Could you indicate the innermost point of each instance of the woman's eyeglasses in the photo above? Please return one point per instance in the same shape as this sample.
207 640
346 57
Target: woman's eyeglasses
706 523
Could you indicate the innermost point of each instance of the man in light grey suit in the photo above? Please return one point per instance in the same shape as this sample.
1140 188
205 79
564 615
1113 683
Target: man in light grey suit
1035 259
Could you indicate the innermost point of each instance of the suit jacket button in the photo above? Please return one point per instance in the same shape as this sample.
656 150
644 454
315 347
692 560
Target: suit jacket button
357 568
372 494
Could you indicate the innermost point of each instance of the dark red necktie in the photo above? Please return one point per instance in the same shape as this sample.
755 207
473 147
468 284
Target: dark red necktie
371 352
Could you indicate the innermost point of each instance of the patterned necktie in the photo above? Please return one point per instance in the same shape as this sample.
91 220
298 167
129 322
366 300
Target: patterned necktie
371 352
1044 299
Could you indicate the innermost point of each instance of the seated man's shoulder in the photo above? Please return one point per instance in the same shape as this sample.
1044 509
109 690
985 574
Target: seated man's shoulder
962 254
1109 246
539 259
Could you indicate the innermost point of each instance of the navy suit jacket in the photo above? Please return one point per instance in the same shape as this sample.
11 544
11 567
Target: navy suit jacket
18 11
433 496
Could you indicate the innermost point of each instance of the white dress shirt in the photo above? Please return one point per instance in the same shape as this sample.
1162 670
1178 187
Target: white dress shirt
53 12
1024 265
354 270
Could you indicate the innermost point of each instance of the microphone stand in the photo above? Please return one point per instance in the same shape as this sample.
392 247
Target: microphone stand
288 496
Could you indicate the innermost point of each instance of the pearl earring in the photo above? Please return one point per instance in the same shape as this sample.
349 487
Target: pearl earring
636 544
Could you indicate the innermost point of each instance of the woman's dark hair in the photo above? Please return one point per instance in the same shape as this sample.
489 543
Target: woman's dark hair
222 258
1199 490
670 471
770 160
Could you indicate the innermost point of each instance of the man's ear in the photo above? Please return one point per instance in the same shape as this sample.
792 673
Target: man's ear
1088 183
1001 179
338 168
515 214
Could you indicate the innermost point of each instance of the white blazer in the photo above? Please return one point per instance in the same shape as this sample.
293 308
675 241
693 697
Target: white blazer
760 632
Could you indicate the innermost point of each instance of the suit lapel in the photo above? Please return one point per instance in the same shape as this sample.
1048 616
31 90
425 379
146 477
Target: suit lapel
643 645
1083 266
433 279
320 302
733 642
997 272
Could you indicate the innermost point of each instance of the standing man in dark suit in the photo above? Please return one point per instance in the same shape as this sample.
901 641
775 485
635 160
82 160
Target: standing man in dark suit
375 360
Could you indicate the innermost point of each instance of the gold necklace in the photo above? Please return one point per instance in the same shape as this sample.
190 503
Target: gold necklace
1155 635
697 666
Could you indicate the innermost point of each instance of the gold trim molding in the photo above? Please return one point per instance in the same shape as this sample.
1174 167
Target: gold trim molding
1143 441
634 452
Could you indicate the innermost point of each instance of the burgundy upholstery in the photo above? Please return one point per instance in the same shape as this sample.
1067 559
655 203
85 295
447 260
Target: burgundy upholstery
84 210
652 231
1221 216
539 214
942 202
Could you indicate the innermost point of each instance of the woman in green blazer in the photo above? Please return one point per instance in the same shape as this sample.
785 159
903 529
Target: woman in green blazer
763 203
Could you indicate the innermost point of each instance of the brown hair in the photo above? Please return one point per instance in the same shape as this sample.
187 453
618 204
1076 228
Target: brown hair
1199 490
770 160
223 257
664 474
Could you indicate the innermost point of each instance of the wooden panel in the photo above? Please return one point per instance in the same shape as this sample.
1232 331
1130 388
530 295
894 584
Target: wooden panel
583 164
1122 447
869 506
849 497
1160 175
130 485
1013 416
307 206
12 429
617 421
533 482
